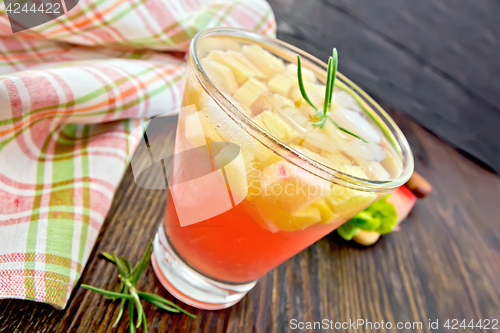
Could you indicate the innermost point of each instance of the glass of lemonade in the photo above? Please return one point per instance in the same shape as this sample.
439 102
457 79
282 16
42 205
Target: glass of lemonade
286 183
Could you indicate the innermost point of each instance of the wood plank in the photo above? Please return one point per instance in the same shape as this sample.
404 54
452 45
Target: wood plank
457 40
451 88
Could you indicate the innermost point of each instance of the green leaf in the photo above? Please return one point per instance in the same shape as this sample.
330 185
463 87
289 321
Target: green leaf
333 76
110 294
330 81
320 123
120 313
127 264
144 322
366 221
138 305
380 217
122 309
301 84
386 212
122 287
189 314
347 230
109 257
131 316
143 263
328 90
164 306
122 268
151 297
318 114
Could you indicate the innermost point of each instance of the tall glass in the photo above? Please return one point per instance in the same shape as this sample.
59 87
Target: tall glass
213 263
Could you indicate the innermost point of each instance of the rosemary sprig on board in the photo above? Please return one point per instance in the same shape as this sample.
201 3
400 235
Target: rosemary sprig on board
127 291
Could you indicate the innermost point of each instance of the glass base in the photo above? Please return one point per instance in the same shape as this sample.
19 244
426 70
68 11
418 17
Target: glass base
189 286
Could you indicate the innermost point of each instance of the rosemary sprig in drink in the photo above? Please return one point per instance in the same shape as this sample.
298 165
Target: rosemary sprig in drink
330 84
127 292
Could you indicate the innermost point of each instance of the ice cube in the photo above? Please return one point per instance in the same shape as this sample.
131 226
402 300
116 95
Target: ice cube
344 99
358 124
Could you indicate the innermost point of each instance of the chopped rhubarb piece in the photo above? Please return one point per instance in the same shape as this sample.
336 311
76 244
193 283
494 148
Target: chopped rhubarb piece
403 200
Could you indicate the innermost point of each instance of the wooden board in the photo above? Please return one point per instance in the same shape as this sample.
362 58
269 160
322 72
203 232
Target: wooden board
436 61
443 264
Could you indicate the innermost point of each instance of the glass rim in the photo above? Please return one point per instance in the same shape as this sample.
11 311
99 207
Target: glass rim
282 149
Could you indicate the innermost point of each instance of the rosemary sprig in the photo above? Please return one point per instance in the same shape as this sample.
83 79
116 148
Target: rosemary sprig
330 84
127 292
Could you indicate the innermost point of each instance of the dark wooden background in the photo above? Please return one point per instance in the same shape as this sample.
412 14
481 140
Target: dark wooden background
429 61
437 61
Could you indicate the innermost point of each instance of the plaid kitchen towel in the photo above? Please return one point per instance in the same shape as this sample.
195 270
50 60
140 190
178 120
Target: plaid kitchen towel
71 90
